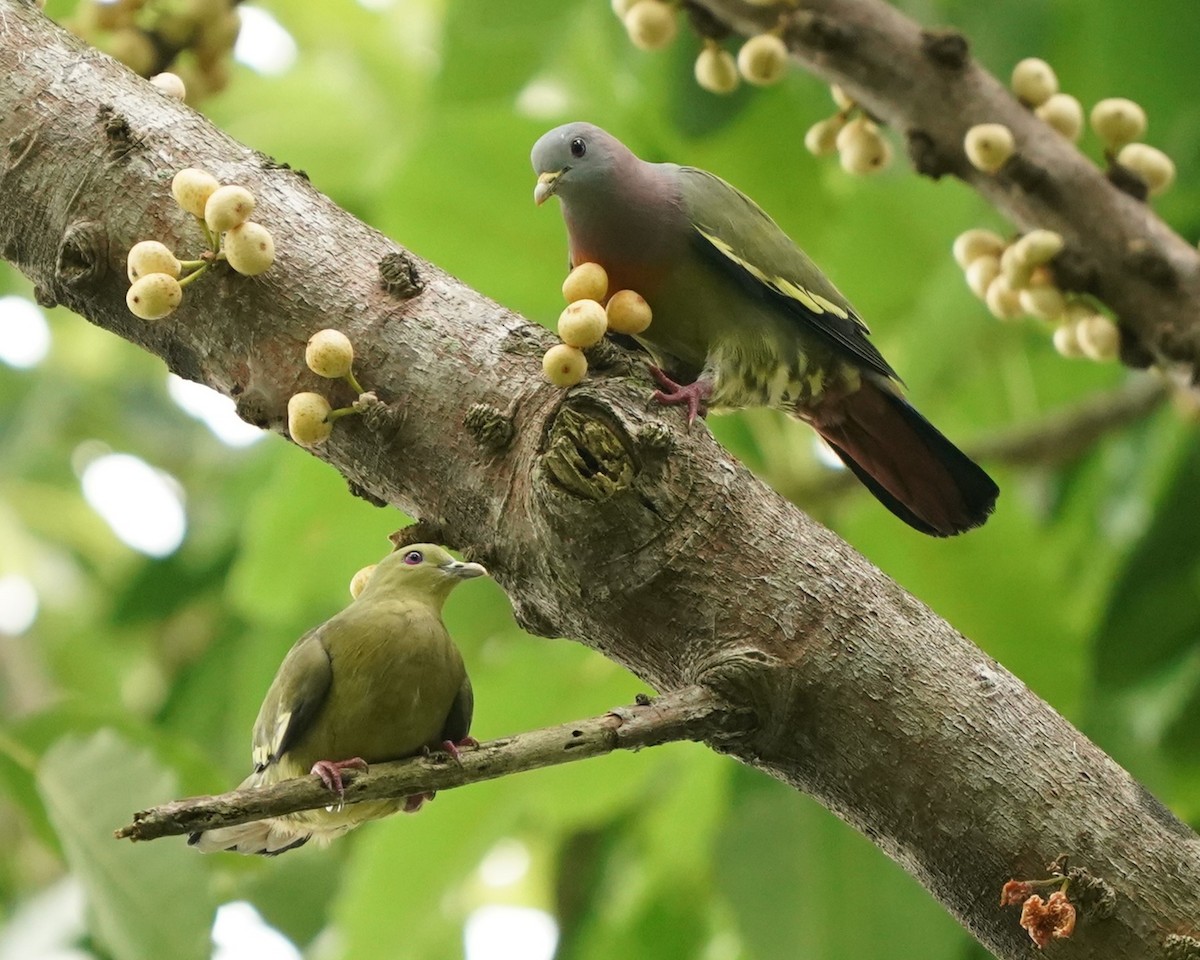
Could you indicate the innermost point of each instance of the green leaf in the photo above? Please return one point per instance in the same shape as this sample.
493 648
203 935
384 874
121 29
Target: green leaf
146 902
803 884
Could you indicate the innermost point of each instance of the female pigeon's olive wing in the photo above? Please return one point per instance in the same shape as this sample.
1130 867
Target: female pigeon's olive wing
737 235
296 696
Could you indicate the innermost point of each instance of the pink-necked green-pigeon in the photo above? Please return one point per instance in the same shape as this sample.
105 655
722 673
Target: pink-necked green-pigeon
742 317
381 680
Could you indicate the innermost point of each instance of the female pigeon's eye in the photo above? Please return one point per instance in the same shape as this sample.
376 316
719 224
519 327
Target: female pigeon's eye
578 147
413 557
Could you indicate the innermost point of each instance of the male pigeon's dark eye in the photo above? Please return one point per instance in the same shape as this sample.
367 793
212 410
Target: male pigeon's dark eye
578 147
413 557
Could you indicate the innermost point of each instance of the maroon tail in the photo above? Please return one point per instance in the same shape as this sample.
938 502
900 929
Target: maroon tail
905 461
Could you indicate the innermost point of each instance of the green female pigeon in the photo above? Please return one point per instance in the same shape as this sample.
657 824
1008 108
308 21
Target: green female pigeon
742 317
381 680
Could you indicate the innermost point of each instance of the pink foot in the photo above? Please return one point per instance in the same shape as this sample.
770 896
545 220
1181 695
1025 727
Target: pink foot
452 748
330 772
414 803
694 395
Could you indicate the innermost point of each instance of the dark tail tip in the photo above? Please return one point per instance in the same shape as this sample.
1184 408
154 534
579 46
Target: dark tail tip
906 462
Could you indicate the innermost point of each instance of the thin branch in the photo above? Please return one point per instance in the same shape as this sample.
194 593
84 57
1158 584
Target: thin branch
690 714
924 84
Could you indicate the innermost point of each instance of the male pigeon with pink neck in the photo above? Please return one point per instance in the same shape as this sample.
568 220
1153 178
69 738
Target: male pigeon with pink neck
743 318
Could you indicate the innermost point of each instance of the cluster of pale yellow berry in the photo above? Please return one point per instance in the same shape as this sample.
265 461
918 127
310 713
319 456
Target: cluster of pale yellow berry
861 148
328 354
195 38
157 277
1118 122
762 60
587 319
1014 280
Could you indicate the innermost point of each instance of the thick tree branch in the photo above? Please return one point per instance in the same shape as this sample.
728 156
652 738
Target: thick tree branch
691 714
925 85
602 518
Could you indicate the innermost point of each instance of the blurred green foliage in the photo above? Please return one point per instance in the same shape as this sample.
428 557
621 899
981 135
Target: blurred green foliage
140 678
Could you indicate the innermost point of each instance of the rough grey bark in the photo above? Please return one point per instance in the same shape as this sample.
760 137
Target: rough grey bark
924 84
603 519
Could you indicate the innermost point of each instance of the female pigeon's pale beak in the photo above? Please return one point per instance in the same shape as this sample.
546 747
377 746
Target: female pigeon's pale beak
545 186
464 571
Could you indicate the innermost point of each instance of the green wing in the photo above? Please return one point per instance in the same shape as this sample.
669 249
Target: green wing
296 696
736 234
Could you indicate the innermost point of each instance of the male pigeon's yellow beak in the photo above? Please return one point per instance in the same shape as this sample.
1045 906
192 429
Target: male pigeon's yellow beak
545 186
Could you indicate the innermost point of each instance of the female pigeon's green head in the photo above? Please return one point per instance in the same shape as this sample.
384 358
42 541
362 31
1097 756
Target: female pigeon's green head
420 569
576 160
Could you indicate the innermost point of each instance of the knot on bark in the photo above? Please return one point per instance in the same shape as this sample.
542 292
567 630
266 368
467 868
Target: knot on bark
82 255
926 158
120 136
1096 897
946 48
1180 947
586 457
358 490
398 275
490 426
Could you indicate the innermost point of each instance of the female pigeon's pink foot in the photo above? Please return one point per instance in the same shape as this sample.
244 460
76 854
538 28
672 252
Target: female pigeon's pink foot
413 804
694 395
452 748
330 772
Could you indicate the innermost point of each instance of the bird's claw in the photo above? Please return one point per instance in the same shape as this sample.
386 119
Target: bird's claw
414 803
452 748
330 772
692 395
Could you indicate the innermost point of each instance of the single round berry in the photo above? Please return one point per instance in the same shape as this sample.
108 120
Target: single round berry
1152 166
862 149
150 256
154 296
1002 300
1042 299
1064 113
763 60
191 189
582 324
988 146
227 207
170 84
1034 81
1066 341
588 281
359 580
628 313
981 272
307 423
1099 338
977 243
1118 121
1014 266
1038 247
716 70
329 354
564 366
651 24
821 138
249 248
